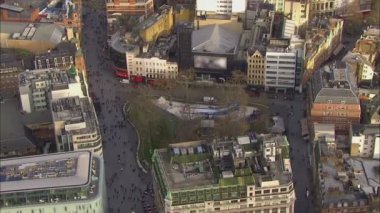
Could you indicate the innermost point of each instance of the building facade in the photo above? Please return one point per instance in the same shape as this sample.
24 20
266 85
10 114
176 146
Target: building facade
80 185
56 59
131 7
214 50
280 66
187 183
334 172
298 11
76 125
334 99
38 87
34 37
184 32
20 11
9 81
322 7
148 67
158 24
364 141
226 7
320 45
368 44
278 4
256 68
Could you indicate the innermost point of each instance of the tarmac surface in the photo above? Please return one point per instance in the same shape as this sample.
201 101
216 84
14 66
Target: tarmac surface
300 151
128 188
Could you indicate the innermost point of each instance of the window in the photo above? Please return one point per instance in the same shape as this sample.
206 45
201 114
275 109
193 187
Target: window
258 192
267 191
283 189
274 190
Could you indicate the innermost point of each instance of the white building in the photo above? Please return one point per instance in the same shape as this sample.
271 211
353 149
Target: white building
362 68
37 87
221 7
288 28
149 66
325 132
79 186
365 141
278 4
280 68
76 125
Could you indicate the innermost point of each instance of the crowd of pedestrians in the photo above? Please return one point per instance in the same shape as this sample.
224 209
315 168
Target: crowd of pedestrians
128 188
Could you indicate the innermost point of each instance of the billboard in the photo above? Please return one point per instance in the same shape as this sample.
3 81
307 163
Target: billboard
210 62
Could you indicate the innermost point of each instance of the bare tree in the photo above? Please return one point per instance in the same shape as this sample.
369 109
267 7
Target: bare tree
238 77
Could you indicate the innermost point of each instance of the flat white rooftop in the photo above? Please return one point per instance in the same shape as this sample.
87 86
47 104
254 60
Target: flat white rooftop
45 171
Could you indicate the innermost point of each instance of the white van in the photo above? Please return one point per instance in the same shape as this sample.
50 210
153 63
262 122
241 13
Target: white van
124 81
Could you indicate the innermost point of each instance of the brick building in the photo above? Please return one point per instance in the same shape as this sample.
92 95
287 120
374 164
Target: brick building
130 7
333 99
21 10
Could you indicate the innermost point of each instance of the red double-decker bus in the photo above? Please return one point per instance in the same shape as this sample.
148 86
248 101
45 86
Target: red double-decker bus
121 74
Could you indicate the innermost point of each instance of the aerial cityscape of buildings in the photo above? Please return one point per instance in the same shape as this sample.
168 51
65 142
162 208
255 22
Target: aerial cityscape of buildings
189 106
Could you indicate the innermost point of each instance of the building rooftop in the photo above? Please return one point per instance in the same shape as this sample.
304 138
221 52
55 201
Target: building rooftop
346 180
13 136
22 8
119 43
161 48
321 29
163 10
77 113
365 129
200 164
55 78
371 33
45 171
215 39
33 31
52 54
333 83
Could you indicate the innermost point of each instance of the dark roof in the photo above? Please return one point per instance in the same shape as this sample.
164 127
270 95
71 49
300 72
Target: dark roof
215 39
365 129
328 86
13 137
37 117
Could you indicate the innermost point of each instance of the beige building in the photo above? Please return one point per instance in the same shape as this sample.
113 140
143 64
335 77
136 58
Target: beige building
298 11
321 42
34 37
322 7
256 67
185 180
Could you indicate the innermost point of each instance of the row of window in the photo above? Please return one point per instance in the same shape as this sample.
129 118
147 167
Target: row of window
8 76
323 6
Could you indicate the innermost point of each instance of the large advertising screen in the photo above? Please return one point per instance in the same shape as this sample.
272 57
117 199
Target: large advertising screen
210 62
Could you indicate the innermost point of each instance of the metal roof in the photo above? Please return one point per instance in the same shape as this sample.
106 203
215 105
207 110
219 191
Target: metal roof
215 39
43 31
37 167
11 7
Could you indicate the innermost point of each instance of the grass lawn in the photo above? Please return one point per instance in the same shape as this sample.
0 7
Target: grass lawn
155 131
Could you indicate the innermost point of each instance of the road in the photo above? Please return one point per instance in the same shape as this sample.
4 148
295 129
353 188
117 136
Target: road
125 181
300 150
